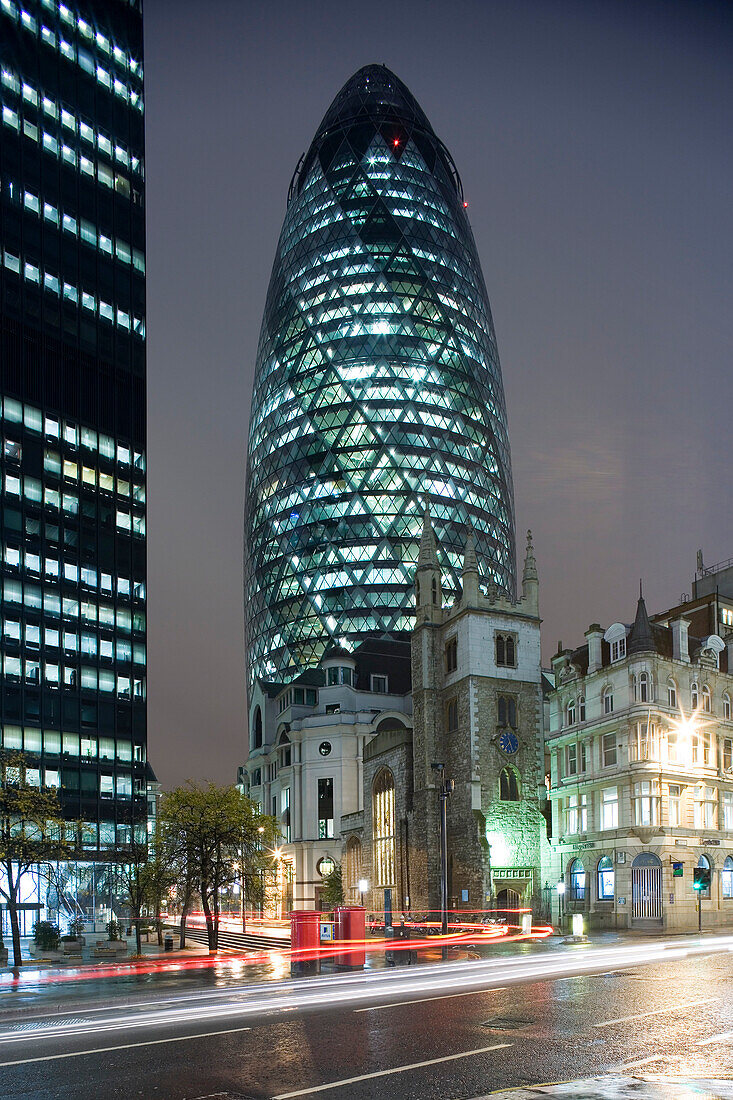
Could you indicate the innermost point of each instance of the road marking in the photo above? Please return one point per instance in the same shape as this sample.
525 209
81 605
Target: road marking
720 1038
122 1046
424 1000
642 1062
656 1012
387 1072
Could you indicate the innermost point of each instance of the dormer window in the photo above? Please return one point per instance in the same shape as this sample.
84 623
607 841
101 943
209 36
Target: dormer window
570 713
380 684
615 636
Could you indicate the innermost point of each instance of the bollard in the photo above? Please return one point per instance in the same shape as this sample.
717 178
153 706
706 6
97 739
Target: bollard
305 942
350 924
526 924
168 942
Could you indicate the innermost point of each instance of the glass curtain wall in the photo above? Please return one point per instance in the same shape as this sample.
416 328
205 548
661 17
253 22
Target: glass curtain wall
378 388
72 410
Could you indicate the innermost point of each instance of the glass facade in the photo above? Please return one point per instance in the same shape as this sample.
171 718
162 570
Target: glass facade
377 388
72 407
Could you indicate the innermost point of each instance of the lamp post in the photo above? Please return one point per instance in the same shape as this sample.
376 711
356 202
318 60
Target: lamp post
560 896
446 790
363 887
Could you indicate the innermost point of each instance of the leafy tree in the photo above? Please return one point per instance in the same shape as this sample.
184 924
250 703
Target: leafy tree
158 875
219 837
32 833
130 870
333 889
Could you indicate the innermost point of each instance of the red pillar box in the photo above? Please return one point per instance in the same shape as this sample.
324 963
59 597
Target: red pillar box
350 924
305 931
305 941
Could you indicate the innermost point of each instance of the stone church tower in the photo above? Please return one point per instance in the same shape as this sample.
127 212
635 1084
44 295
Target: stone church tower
477 709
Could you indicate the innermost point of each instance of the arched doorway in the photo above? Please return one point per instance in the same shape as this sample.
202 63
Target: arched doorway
507 903
646 888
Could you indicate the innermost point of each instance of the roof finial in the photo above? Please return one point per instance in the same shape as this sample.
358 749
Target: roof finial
428 554
530 564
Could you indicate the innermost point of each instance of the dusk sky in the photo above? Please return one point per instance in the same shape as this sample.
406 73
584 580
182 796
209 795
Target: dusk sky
594 145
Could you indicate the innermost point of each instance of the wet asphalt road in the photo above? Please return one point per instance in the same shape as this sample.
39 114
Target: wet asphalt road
673 1016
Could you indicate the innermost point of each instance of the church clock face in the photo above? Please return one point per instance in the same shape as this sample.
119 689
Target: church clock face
508 742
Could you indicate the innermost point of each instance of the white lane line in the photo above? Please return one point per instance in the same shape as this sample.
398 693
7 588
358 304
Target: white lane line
656 1012
387 1072
123 1046
424 1000
723 1037
641 1062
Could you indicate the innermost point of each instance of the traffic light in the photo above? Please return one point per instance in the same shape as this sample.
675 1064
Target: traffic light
701 878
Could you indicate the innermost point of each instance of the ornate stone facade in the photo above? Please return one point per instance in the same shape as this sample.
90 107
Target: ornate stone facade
477 710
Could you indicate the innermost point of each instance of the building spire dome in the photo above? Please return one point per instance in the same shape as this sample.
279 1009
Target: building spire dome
641 638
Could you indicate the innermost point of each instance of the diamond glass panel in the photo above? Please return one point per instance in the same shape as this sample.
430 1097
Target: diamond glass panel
377 388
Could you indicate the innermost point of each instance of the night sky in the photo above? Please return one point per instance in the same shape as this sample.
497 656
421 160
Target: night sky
594 144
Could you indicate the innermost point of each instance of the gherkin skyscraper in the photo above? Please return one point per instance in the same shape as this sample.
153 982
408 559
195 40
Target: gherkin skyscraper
377 390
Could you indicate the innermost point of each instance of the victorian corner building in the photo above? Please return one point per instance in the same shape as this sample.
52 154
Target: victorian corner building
72 321
640 747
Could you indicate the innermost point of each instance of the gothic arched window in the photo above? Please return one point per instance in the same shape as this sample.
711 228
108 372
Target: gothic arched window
508 785
383 814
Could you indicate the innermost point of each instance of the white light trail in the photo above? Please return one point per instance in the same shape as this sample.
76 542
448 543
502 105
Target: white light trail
332 991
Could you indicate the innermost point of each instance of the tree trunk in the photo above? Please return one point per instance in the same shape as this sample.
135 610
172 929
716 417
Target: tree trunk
138 937
15 930
210 926
183 927
159 927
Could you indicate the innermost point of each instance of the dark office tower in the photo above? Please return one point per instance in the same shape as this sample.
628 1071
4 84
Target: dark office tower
72 304
378 388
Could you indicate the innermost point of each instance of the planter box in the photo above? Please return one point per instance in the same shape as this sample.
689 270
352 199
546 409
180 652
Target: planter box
110 947
71 947
44 952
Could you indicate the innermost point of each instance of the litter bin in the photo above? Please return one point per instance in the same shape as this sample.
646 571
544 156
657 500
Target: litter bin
168 942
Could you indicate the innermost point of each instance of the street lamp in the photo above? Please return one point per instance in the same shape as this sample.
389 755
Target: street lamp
363 887
560 896
446 790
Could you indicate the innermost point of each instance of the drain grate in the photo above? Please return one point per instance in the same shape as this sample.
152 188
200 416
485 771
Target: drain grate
507 1023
